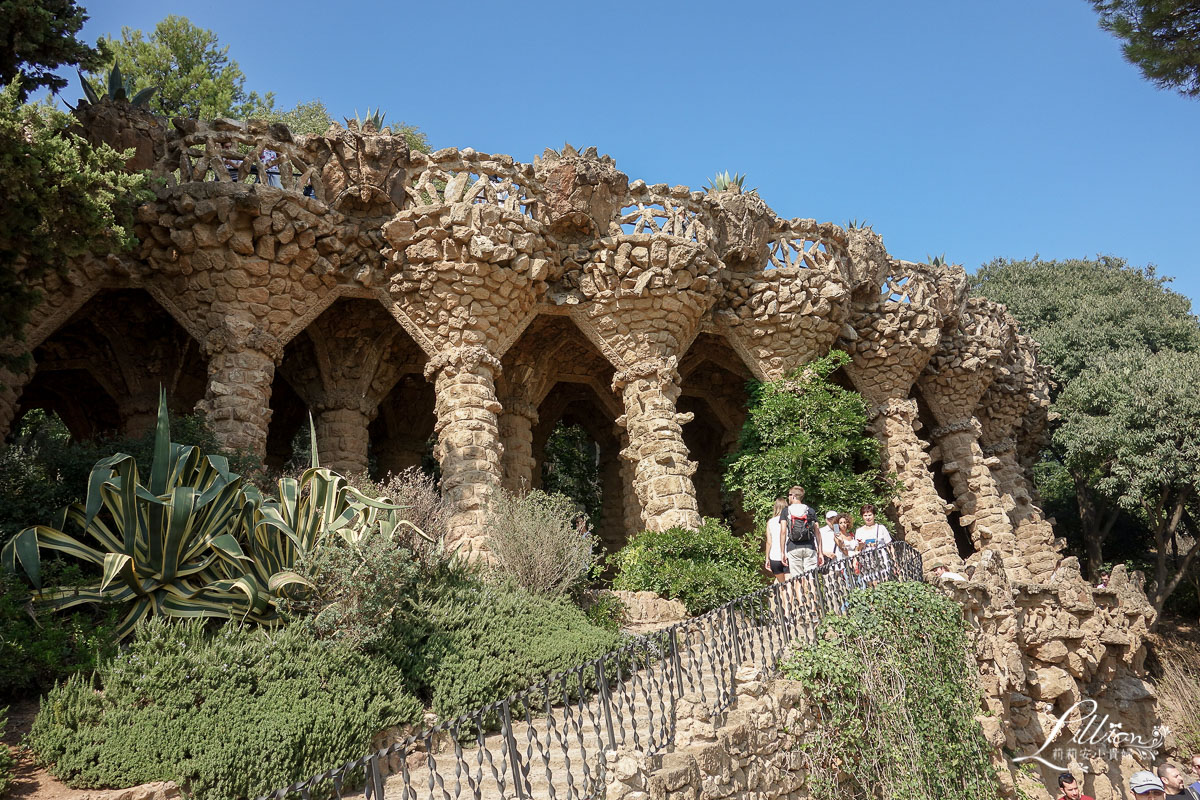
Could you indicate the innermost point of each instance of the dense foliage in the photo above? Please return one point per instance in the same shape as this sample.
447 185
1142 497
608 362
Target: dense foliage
232 714
62 198
474 643
1160 37
1121 468
6 757
896 695
39 36
701 568
536 543
571 467
807 431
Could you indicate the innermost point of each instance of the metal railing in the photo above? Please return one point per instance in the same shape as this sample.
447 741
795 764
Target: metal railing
549 740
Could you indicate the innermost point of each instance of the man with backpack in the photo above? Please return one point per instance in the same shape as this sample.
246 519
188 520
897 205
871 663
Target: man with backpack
800 531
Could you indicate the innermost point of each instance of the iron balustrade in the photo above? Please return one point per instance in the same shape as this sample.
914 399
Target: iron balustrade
549 739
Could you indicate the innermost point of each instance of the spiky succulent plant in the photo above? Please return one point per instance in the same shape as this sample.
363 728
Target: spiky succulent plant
117 89
374 119
722 182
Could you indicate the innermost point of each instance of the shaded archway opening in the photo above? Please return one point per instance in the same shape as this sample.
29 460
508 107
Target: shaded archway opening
288 436
101 372
402 433
941 481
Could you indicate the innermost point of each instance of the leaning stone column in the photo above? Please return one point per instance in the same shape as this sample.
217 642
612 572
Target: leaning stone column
662 472
468 447
11 385
1033 533
516 434
237 403
342 440
921 511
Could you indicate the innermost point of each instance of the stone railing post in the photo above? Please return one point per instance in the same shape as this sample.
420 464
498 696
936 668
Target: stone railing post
468 447
341 420
516 434
662 472
237 403
921 511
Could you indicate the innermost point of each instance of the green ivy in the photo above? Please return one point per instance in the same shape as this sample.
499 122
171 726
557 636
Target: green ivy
895 693
230 714
702 569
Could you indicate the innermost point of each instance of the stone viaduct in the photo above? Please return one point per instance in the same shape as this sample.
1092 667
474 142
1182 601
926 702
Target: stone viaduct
475 301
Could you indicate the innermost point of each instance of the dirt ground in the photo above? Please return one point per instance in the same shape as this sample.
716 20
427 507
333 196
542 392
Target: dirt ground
29 780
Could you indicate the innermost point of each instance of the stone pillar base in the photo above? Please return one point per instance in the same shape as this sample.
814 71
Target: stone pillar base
342 440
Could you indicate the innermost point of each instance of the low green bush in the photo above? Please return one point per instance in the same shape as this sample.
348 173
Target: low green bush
536 544
39 651
895 691
480 642
702 568
606 611
6 757
228 714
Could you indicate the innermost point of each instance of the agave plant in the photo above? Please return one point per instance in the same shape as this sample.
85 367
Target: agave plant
161 545
723 182
374 119
118 89
936 261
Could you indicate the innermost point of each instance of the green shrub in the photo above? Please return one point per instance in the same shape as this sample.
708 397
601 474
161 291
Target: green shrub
535 542
230 714
6 757
606 611
479 643
702 569
895 691
37 652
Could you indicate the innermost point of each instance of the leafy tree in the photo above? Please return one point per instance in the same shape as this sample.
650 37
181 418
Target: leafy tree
1132 423
195 76
808 431
37 37
311 117
1160 37
62 197
1095 320
570 468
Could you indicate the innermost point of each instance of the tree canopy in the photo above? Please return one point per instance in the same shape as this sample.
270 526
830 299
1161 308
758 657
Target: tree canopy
1125 351
808 431
1160 37
62 197
195 76
37 37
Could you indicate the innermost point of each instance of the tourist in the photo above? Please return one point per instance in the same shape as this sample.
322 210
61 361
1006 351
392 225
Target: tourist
971 572
1146 787
1174 784
872 535
776 560
943 573
1104 576
1069 788
826 535
802 555
845 543
1195 787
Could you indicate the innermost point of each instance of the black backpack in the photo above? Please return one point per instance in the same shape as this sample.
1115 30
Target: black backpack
800 530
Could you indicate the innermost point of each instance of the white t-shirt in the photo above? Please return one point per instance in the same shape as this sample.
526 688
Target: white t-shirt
853 546
796 510
827 541
873 535
774 527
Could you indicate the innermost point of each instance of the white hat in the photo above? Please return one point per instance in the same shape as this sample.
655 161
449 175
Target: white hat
830 514
1142 782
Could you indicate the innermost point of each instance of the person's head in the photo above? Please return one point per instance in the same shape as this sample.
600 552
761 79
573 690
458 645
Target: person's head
868 514
939 569
1069 787
1171 777
845 524
795 495
970 572
1196 764
780 504
1146 787
831 518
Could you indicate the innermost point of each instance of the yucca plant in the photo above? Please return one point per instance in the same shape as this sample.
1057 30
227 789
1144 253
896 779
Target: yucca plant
118 89
374 119
723 182
164 546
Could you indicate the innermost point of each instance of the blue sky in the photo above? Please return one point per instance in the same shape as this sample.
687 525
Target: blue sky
980 130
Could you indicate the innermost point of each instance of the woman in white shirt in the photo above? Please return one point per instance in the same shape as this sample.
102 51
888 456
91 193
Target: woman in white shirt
872 534
776 561
845 544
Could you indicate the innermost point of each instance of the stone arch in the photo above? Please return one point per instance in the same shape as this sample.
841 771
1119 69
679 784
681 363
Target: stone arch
341 367
926 421
101 370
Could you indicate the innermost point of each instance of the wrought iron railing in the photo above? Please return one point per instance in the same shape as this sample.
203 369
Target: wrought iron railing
549 740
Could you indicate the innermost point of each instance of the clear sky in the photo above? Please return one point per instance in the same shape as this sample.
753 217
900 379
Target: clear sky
977 129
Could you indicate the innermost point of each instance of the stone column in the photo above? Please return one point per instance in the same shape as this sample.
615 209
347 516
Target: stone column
139 413
631 506
342 439
976 494
237 402
516 434
468 447
12 383
662 472
921 511
1035 541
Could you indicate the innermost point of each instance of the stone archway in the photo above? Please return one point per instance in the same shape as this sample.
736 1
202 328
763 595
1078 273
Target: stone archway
101 371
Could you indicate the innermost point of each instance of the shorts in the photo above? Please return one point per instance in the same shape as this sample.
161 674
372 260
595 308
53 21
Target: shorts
802 559
777 567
